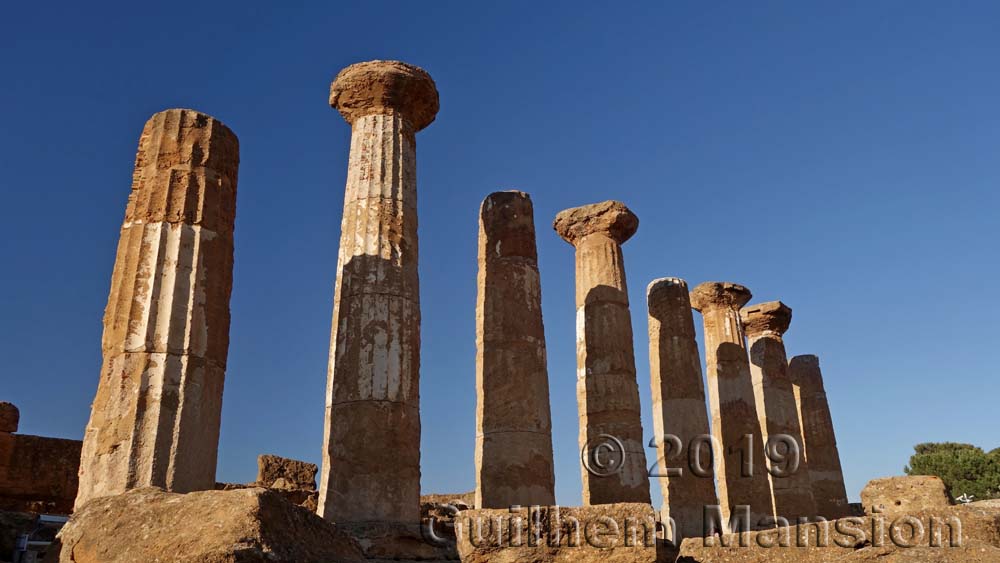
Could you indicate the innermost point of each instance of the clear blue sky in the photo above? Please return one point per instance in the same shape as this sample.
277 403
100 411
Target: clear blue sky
843 157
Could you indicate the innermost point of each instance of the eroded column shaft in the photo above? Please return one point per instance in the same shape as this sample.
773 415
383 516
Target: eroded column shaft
820 443
156 416
513 422
740 468
679 414
371 466
606 388
607 392
777 411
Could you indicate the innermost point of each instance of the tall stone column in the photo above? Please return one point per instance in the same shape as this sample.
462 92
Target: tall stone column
513 420
740 467
779 418
679 409
155 419
606 389
820 443
371 444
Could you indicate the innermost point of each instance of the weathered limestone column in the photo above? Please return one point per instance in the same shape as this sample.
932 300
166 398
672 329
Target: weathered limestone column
742 477
155 419
606 389
371 445
513 420
679 408
820 443
778 414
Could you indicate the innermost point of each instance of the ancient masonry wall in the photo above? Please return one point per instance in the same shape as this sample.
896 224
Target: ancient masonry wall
37 474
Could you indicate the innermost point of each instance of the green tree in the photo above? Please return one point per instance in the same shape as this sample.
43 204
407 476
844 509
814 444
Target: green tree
965 469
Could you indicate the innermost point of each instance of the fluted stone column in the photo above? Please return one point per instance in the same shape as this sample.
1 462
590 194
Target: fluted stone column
825 472
513 421
155 419
765 324
742 478
679 408
371 445
606 390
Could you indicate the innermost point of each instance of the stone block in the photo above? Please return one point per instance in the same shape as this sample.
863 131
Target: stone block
245 526
608 533
904 495
276 472
967 533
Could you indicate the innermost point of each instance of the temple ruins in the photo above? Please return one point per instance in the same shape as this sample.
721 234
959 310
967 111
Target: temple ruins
761 446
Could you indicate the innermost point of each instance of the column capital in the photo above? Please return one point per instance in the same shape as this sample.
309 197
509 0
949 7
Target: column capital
385 87
773 316
709 296
610 217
